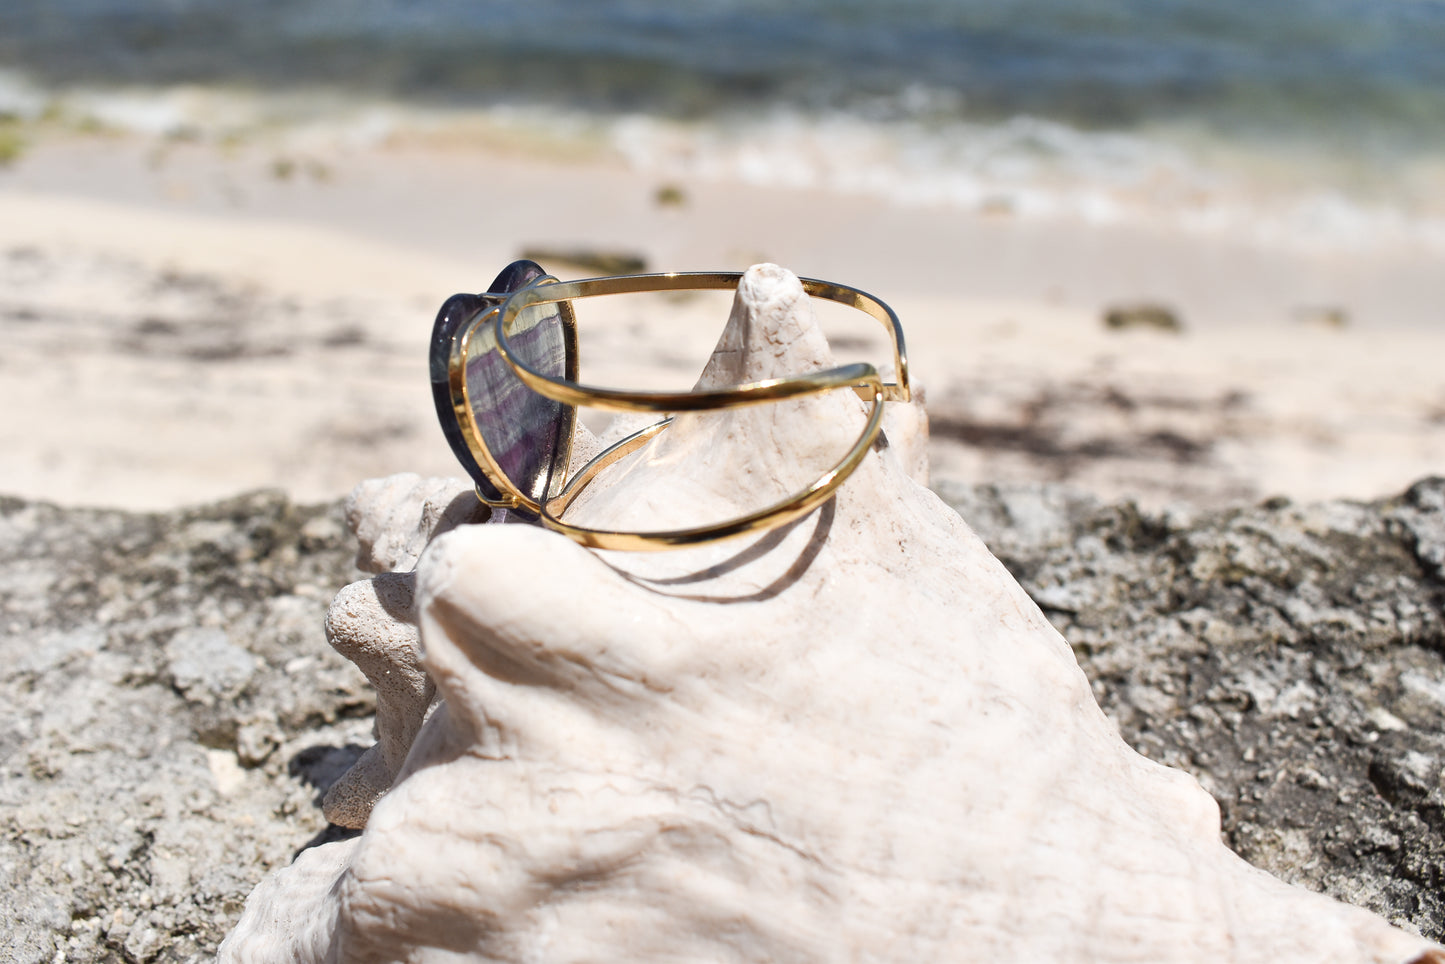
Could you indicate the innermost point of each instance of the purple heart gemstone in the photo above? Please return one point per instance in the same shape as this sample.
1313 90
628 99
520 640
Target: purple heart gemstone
528 435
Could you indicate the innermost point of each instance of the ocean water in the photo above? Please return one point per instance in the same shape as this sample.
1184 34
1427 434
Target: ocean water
1332 110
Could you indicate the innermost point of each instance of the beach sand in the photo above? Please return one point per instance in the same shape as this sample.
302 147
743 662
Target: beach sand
183 321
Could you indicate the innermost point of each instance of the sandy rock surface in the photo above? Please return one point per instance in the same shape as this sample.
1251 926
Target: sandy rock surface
171 712
1292 656
135 819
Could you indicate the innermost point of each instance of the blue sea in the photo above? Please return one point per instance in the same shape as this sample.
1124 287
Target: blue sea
1084 105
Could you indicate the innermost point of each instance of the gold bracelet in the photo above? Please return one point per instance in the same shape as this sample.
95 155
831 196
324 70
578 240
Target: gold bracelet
504 371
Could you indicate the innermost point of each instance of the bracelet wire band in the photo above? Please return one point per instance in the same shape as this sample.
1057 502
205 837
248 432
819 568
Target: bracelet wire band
559 493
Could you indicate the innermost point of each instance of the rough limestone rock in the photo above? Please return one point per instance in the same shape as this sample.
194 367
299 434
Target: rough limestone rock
87 794
853 738
1292 657
169 712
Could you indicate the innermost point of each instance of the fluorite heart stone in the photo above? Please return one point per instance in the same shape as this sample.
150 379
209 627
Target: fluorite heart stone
526 434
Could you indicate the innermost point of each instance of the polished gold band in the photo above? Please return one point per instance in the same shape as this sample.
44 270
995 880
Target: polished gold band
781 513
862 378
566 390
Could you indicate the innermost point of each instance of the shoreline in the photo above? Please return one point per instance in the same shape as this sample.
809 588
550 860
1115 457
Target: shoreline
191 321
470 200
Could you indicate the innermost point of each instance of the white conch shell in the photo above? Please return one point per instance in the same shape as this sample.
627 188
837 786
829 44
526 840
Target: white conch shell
852 739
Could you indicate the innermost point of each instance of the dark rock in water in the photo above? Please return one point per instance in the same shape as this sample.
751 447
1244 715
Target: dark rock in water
1323 316
670 196
172 713
594 260
1157 317
1292 657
